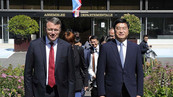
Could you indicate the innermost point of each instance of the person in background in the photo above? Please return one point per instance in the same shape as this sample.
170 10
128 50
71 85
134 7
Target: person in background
77 39
91 60
119 70
144 47
111 34
81 69
87 44
104 39
49 70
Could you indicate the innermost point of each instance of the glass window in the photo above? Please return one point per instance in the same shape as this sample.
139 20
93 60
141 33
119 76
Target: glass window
50 4
160 28
81 25
125 4
101 27
5 4
25 4
94 5
160 4
65 5
5 30
16 4
86 5
32 4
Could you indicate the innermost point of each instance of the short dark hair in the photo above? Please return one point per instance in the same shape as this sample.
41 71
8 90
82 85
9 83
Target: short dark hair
93 37
121 21
53 20
145 36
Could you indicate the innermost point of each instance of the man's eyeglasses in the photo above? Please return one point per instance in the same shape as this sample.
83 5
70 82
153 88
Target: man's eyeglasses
51 30
121 28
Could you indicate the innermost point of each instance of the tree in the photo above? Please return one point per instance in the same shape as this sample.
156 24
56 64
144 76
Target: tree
134 22
23 25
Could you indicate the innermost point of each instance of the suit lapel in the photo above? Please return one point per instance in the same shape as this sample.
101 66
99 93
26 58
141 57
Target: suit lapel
127 54
43 50
58 52
115 51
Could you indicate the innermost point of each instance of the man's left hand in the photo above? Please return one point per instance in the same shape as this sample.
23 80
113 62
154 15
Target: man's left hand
138 96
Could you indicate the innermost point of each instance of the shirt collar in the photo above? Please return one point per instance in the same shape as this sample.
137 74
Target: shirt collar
97 48
48 41
124 42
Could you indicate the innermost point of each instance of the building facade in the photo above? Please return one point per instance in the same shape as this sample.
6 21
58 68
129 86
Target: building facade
96 16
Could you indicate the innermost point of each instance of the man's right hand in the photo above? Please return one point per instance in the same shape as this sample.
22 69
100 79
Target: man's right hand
94 77
102 96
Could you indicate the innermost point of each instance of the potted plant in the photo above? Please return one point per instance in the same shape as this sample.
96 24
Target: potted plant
135 26
22 26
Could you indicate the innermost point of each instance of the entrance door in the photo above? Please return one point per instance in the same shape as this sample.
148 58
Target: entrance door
101 27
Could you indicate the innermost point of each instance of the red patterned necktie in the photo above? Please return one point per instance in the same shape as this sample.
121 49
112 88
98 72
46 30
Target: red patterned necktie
51 76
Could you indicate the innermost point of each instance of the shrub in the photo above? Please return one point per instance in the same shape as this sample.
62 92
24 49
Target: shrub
158 80
12 81
134 22
23 25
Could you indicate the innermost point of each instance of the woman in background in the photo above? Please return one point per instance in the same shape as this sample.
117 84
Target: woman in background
81 70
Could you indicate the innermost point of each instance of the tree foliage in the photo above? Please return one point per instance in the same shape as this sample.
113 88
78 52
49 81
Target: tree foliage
134 22
23 25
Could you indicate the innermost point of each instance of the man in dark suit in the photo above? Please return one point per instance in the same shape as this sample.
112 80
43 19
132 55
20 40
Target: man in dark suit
119 70
144 47
92 59
49 70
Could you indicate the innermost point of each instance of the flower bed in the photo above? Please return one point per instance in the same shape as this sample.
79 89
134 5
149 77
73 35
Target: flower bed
158 80
12 81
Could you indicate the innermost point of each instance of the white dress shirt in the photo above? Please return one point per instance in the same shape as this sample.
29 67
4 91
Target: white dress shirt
90 68
124 47
48 46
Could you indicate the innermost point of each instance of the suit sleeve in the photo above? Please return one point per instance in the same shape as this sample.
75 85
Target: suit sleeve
84 66
143 48
100 71
71 73
140 75
28 72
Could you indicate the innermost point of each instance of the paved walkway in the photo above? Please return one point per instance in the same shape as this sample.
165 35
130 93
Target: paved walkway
18 58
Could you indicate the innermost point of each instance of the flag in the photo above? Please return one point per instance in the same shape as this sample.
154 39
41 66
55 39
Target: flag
76 7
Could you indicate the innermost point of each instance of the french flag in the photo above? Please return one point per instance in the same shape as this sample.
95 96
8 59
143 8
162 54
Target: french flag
76 7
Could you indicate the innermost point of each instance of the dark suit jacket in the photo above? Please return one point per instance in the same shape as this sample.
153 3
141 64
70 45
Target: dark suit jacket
35 69
88 52
81 69
143 46
88 55
111 75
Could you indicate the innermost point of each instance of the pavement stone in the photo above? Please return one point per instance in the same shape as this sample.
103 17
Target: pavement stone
18 58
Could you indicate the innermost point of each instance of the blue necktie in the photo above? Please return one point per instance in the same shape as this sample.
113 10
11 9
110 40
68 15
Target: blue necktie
121 54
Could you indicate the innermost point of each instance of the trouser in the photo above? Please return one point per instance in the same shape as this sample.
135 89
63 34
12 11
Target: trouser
94 92
124 92
51 92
